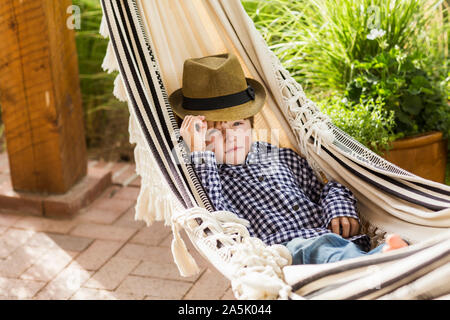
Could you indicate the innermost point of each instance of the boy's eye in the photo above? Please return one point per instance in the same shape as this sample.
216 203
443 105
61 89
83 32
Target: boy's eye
236 123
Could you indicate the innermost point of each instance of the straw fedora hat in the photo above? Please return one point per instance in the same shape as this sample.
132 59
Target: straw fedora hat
216 87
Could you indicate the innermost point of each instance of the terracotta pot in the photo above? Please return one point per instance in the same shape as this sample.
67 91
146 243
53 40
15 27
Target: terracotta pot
424 155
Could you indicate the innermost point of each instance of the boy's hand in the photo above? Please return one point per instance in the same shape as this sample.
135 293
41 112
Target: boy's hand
193 131
350 226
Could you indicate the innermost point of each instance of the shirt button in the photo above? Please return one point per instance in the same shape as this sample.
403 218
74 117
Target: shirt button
296 207
277 186
261 178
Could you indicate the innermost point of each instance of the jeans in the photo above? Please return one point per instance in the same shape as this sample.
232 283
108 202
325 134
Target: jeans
328 247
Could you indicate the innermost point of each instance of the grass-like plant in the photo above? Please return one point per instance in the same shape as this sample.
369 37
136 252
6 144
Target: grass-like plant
319 41
366 50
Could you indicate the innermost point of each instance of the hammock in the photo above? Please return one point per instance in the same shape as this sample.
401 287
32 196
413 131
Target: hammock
149 41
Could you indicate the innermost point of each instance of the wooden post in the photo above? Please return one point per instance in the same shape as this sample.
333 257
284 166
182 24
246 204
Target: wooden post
40 96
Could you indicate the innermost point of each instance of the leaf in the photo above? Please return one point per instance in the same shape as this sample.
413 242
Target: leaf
403 117
412 104
420 81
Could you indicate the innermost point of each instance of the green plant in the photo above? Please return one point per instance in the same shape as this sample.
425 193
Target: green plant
366 50
400 80
367 121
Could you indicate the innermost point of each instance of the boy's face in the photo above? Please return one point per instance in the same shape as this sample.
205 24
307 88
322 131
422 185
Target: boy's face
229 140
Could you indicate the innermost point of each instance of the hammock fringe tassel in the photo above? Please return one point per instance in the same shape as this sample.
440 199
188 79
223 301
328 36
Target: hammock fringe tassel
104 28
119 89
110 62
255 270
183 259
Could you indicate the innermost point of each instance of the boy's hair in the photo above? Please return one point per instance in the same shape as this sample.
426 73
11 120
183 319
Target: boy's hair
252 120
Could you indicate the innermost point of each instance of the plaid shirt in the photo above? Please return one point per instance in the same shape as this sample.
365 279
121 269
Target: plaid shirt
277 192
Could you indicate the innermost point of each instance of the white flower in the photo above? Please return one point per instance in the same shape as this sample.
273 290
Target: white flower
375 33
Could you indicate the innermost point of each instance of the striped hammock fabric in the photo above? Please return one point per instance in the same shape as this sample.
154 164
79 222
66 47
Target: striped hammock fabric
149 42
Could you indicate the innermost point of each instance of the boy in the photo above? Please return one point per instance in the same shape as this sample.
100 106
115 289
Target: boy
274 188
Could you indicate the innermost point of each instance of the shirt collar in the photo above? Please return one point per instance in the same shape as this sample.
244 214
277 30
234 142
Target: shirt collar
260 151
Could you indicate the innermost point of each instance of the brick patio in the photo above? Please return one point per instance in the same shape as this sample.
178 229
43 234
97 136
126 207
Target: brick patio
101 253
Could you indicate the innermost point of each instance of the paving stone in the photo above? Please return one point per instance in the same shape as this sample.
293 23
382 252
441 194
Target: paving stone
17 236
97 254
156 298
211 286
12 298
70 243
112 273
66 283
229 295
163 271
152 235
123 174
45 224
154 287
118 168
167 242
65 242
12 239
104 232
112 204
19 289
127 193
99 216
4 177
41 239
4 162
127 220
7 220
6 249
49 265
20 260
110 191
141 252
136 182
96 294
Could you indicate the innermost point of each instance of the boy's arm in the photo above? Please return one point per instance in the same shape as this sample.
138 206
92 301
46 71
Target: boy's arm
335 199
338 201
205 166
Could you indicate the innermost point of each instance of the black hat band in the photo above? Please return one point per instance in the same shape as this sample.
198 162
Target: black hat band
221 102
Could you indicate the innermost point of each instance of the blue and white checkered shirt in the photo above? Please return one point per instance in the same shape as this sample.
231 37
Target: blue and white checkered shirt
277 192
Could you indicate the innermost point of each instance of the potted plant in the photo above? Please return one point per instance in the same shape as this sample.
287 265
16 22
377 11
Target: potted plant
420 108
